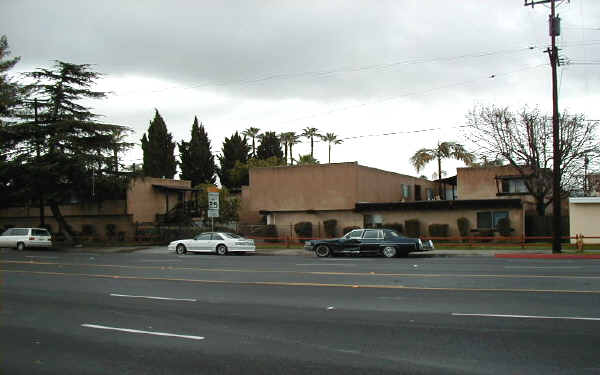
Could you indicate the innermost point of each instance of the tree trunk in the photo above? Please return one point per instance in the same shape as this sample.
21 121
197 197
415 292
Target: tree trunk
330 153
62 223
540 206
286 153
291 155
311 147
440 178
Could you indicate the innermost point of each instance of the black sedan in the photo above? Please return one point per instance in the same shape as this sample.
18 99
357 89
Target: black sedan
384 242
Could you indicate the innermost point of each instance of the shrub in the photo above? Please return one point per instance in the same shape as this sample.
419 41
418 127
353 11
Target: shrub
330 227
88 229
348 229
398 227
413 228
438 230
271 233
111 230
486 233
503 227
303 229
463 226
121 236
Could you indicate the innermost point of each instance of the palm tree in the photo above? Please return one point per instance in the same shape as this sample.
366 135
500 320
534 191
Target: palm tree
252 133
310 133
293 139
331 138
284 138
444 150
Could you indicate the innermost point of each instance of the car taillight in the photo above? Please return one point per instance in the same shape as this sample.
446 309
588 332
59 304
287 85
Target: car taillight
31 238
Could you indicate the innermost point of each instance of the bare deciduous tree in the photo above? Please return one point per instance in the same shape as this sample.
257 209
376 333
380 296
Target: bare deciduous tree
524 140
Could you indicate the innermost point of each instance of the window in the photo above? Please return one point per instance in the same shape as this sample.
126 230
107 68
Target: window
39 232
20 232
368 221
371 234
515 185
357 233
418 193
217 237
429 194
390 234
406 192
489 220
499 215
203 237
231 235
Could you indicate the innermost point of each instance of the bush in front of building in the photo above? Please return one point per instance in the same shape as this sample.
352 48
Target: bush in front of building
438 230
463 226
398 227
503 227
413 228
349 229
88 230
303 229
271 233
330 227
111 230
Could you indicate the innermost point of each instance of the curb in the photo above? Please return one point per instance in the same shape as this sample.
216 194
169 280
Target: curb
548 256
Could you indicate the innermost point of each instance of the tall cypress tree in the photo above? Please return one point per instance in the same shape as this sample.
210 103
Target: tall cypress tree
235 148
269 146
197 160
159 148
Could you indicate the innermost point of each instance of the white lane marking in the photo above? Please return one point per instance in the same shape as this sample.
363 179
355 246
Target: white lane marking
527 316
165 260
536 267
144 332
41 256
322 264
151 297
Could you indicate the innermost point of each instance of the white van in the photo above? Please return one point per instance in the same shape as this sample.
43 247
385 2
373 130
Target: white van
21 238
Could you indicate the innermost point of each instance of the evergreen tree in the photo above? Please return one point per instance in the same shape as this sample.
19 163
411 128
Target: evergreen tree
159 148
64 154
269 146
197 161
9 90
235 149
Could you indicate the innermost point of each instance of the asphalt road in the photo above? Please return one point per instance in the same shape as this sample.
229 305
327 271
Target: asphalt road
153 313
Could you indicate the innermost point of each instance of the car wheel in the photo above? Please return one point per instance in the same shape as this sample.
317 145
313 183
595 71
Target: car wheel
322 251
389 252
20 246
221 250
180 249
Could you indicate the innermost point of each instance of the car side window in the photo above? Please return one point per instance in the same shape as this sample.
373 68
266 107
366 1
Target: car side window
7 232
357 233
217 237
371 234
203 237
19 232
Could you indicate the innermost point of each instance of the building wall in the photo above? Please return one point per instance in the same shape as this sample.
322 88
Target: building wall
480 182
584 216
284 221
324 187
145 201
76 215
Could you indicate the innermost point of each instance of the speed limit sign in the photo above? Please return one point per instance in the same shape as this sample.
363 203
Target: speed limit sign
213 204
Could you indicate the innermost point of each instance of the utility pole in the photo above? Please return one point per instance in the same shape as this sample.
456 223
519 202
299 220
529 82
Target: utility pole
554 27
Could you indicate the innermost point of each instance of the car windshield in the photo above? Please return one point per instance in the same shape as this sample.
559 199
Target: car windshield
231 235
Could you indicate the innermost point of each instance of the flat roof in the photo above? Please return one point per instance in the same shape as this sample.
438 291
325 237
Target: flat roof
175 188
440 205
582 200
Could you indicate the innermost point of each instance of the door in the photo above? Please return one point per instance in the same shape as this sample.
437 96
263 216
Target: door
371 241
5 238
351 241
201 242
214 241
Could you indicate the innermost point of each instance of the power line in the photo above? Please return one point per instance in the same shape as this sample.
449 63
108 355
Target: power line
329 72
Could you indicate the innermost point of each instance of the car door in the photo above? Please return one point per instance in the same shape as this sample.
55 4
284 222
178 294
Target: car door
5 238
371 241
215 239
351 241
201 242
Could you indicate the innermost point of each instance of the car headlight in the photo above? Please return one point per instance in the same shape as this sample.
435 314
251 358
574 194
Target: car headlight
308 243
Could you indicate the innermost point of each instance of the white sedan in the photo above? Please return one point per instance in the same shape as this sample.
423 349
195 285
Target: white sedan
220 243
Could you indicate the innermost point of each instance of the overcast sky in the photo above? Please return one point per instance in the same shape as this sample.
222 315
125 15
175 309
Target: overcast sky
354 68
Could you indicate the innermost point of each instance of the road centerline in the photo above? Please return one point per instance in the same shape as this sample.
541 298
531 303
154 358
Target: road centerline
128 330
153 297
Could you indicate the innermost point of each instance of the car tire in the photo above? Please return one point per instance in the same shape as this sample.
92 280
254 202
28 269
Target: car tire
389 252
20 246
322 251
180 249
221 250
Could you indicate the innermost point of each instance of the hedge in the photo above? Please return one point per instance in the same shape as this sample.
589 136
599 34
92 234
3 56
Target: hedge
330 227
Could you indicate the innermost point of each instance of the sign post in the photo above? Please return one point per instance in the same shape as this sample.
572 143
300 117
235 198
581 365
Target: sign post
213 208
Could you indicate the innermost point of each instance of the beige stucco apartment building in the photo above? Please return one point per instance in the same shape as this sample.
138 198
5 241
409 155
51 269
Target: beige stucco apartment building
146 199
356 195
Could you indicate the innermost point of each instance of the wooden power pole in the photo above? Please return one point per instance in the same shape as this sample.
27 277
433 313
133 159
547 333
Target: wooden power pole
554 27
